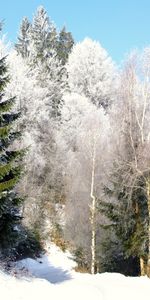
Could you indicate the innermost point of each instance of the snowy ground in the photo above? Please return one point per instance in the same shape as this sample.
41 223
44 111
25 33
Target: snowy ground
52 277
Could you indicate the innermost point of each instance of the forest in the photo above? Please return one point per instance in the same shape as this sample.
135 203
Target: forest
74 150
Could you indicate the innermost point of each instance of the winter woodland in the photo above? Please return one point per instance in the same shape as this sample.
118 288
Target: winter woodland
74 150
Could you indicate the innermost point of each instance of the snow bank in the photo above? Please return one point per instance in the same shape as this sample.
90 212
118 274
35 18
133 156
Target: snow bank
52 277
15 289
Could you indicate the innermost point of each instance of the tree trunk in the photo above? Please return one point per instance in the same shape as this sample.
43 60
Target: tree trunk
93 242
148 204
93 211
142 267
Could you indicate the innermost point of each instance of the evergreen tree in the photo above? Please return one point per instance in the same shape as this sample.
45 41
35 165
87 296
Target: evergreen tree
23 43
51 75
43 36
64 45
40 40
126 227
10 167
40 97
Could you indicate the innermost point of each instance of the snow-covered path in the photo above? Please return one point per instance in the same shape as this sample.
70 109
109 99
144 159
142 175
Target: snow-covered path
55 266
52 277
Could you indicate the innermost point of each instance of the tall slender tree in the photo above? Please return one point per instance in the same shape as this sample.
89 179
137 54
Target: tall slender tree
10 166
23 44
43 36
87 137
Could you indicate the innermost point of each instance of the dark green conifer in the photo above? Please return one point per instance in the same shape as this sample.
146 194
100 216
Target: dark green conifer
10 165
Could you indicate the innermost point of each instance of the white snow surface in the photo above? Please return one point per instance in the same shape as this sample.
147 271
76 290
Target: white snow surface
52 277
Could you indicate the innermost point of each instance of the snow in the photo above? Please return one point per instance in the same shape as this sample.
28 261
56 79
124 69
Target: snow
52 277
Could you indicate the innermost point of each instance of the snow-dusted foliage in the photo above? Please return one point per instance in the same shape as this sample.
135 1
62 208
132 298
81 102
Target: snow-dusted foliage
43 36
130 173
23 44
75 108
64 45
86 132
91 72
37 40
29 95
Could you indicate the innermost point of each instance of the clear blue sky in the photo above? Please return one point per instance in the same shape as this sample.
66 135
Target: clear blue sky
119 25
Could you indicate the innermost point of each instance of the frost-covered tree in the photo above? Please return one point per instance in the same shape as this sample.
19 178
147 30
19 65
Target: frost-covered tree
23 44
43 36
64 45
131 165
39 97
91 72
52 76
39 40
85 127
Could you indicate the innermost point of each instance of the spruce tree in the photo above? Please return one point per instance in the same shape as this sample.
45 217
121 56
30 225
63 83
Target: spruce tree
10 167
64 45
23 44
127 225
43 36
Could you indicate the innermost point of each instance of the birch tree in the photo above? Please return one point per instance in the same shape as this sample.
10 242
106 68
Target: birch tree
84 176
